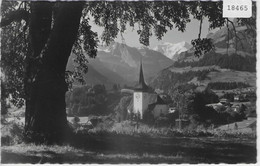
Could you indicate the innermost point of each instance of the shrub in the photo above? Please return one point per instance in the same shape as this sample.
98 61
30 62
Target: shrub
128 128
11 133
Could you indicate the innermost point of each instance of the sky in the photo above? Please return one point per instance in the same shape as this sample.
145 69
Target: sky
173 36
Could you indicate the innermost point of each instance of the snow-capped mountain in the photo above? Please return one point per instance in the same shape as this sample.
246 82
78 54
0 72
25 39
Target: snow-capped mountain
172 50
125 60
119 63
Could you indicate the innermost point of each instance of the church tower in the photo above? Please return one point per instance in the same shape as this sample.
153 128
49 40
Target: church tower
140 95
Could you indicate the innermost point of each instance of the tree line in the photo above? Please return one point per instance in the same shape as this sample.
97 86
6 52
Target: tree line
227 85
234 62
91 100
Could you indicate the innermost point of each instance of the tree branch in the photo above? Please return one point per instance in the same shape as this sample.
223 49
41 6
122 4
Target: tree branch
227 36
201 21
16 15
236 36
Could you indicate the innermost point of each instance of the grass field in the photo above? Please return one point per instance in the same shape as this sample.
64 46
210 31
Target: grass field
127 149
123 143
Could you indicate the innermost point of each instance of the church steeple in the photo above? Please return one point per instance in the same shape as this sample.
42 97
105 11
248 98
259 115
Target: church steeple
141 84
141 74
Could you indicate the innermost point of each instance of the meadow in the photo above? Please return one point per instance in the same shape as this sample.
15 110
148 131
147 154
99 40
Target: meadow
125 143
107 149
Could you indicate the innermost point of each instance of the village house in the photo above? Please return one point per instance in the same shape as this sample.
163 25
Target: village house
237 98
224 101
219 107
235 107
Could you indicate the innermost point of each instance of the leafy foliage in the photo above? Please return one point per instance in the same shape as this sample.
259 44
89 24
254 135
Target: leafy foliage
202 46
250 24
182 101
146 15
85 45
87 100
11 133
14 51
121 108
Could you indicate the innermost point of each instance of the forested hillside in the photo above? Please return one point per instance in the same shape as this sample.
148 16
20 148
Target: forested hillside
234 62
168 80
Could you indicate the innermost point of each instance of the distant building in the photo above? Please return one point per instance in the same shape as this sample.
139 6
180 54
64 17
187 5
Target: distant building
215 105
237 98
235 107
158 108
224 101
172 110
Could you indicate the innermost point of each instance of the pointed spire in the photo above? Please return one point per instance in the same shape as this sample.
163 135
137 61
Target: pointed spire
141 84
141 74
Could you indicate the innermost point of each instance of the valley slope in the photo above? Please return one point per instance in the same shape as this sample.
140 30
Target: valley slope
221 65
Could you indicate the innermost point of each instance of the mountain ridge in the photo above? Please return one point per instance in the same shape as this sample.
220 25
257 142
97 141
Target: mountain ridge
119 64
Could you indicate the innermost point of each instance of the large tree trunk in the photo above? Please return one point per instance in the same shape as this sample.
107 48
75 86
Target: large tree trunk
46 120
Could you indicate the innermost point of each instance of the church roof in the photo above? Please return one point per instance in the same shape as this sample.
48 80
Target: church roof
141 86
160 100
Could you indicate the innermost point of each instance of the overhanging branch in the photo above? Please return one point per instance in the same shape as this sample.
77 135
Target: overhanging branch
237 38
201 21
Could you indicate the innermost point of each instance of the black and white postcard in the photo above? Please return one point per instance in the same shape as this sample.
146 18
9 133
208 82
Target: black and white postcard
129 82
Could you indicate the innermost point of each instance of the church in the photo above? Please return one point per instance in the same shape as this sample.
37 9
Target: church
146 100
